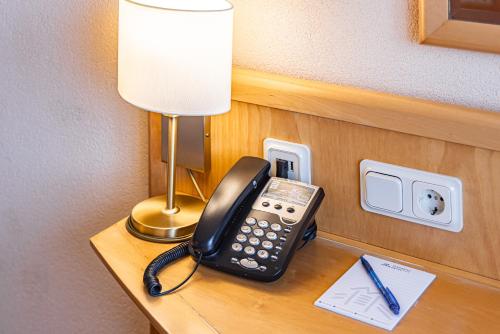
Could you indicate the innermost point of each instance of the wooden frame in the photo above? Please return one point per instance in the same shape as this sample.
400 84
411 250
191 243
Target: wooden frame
484 11
436 28
447 122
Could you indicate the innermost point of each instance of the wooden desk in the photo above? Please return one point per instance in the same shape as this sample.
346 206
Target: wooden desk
214 302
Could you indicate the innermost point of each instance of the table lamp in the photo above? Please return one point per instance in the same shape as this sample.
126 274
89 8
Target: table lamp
174 58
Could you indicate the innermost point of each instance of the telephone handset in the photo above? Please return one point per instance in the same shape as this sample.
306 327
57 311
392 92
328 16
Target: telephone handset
246 177
250 227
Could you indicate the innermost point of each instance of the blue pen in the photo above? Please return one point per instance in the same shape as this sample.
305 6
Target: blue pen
388 296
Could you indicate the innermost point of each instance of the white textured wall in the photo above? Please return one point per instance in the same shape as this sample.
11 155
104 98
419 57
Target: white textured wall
73 155
363 43
73 160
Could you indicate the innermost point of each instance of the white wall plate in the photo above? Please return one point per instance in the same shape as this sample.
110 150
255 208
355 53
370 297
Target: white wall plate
427 198
299 154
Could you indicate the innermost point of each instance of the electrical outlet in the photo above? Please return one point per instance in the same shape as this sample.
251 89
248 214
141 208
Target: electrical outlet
298 157
413 195
432 202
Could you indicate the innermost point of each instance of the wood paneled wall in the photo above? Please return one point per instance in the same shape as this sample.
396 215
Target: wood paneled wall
337 148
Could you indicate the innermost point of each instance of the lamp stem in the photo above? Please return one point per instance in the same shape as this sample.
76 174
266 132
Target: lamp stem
172 162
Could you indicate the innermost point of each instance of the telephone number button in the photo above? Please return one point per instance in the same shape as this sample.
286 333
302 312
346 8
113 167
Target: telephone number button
237 247
246 229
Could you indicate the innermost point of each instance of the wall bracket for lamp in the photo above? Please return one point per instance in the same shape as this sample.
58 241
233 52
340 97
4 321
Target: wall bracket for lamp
194 138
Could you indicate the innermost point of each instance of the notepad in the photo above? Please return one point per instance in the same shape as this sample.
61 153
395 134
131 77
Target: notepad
356 296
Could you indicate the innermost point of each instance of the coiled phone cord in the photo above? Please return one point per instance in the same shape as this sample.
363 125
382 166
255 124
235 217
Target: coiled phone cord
150 278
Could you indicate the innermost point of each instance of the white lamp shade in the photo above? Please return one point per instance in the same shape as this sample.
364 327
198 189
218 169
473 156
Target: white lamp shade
175 56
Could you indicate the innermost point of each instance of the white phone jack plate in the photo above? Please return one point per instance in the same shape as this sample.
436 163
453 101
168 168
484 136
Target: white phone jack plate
297 155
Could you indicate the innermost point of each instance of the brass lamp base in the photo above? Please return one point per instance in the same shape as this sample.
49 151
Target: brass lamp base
151 221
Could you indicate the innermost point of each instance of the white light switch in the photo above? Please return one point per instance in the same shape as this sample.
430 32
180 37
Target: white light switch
384 192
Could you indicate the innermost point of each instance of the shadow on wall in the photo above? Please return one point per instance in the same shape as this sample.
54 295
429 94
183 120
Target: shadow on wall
73 161
101 40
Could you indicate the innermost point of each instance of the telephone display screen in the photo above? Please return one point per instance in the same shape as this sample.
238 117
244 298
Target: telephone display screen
289 192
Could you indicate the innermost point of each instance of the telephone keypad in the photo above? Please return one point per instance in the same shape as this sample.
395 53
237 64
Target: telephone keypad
258 232
249 263
263 224
271 236
254 241
263 254
246 229
251 221
241 237
249 250
259 238
267 244
237 247
276 227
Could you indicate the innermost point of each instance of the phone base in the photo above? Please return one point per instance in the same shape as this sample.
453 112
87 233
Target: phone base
151 221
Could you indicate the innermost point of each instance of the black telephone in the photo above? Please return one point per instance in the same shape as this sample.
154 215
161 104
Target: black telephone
251 226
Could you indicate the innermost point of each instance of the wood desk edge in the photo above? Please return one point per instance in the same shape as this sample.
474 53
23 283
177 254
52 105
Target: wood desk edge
155 327
402 258
200 322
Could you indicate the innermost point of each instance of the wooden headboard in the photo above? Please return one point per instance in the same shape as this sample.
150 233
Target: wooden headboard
343 126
